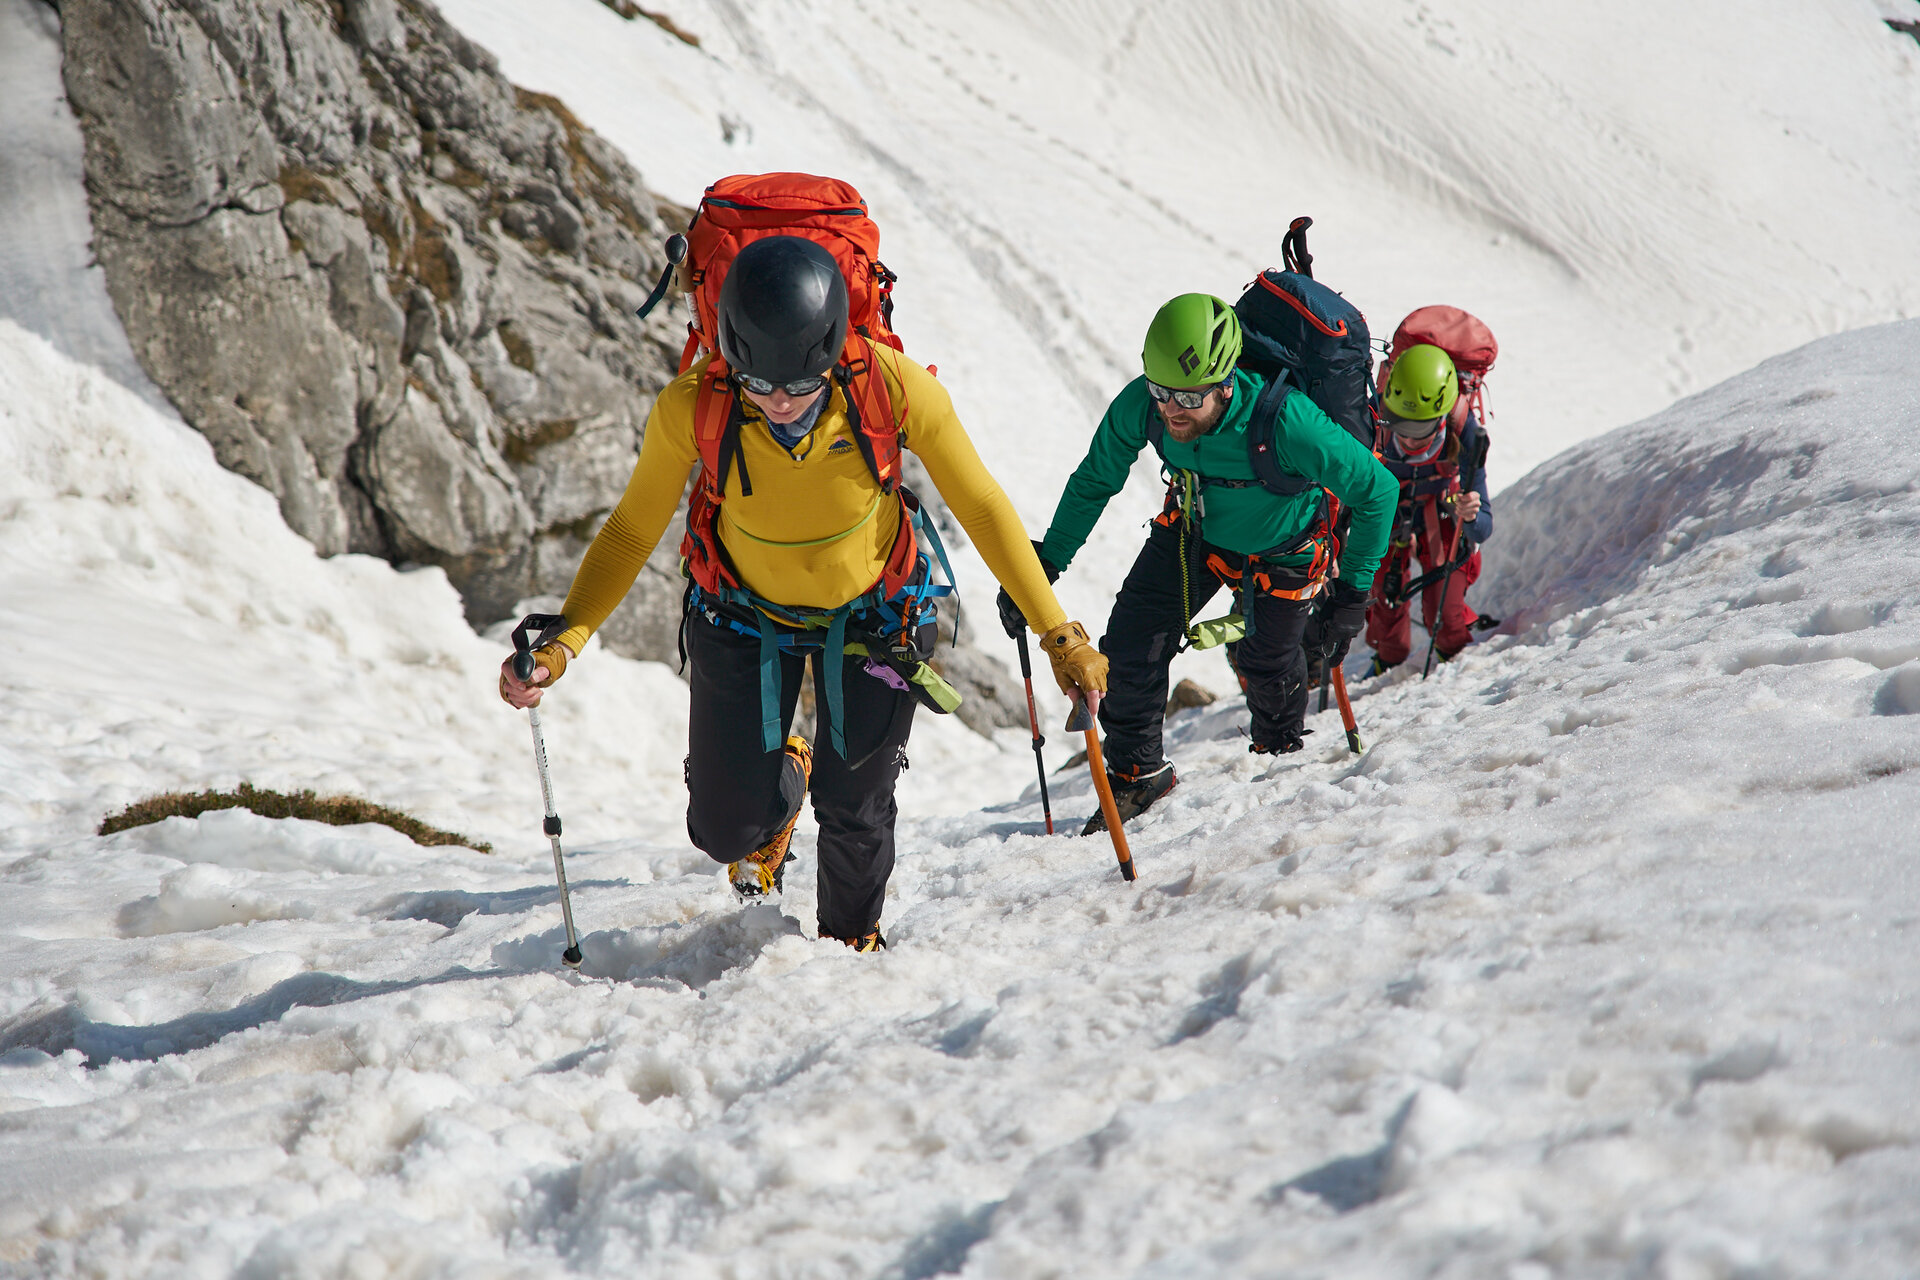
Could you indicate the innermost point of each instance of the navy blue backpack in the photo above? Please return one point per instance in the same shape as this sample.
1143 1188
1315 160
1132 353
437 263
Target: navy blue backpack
1302 332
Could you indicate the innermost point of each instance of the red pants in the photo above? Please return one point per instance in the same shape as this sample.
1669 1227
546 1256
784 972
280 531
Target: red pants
1389 632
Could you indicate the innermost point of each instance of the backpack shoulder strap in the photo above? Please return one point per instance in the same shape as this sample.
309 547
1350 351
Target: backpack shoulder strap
1157 433
1261 433
870 407
717 419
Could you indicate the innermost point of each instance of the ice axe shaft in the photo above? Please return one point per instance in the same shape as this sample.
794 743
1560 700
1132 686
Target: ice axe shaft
1339 679
1033 721
547 625
1082 719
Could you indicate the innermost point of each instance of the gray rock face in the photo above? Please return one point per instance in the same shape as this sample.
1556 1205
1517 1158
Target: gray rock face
385 283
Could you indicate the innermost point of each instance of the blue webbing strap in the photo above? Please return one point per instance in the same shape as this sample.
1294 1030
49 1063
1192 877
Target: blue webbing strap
833 658
924 525
769 688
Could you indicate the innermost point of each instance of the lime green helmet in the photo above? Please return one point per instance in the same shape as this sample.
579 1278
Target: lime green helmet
1423 384
1193 340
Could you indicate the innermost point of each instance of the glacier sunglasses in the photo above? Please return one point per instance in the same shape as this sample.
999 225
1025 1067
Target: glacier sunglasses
1185 399
798 387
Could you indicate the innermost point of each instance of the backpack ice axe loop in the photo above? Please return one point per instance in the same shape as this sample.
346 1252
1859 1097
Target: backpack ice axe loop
676 254
547 625
1081 720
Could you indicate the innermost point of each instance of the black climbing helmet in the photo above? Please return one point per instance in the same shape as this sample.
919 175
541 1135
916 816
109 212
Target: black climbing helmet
783 310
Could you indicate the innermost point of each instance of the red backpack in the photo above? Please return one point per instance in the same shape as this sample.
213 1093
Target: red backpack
1461 336
734 212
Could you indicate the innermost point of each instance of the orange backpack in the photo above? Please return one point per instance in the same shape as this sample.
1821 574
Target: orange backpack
734 212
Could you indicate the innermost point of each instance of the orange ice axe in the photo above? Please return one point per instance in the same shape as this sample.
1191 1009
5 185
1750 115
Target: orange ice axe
1346 709
1081 720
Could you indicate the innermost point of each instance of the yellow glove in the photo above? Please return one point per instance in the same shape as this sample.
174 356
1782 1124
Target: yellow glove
552 656
1076 663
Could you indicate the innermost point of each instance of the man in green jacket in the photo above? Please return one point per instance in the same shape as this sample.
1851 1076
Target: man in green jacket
1273 549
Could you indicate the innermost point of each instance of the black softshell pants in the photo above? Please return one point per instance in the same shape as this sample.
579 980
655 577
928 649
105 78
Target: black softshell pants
739 796
1145 630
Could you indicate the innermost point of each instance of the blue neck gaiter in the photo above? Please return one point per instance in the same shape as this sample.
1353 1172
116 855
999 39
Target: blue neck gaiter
791 434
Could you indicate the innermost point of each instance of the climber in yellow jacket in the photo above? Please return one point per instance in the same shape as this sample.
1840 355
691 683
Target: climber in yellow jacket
804 550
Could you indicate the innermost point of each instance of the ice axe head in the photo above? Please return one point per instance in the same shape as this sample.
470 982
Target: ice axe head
1080 717
545 627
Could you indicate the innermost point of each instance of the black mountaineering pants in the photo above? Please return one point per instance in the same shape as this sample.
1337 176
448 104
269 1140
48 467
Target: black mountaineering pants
739 796
1145 629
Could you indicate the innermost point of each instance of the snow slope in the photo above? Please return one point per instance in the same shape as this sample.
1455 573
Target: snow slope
1640 198
1597 962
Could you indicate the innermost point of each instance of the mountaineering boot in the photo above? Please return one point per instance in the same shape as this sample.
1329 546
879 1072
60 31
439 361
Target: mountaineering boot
1285 744
760 872
1134 791
1378 667
871 942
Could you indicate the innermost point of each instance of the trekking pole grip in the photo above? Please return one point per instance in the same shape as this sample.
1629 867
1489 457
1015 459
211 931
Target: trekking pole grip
545 627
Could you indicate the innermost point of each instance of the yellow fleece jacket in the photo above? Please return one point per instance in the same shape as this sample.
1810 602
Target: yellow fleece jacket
816 531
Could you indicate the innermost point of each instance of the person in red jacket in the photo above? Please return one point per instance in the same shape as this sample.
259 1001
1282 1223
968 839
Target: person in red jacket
1434 445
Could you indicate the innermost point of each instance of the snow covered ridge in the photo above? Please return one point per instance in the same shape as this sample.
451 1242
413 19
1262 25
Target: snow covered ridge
1802 467
1599 962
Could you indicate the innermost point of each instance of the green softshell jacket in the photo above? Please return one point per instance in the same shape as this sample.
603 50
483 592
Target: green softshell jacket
1246 520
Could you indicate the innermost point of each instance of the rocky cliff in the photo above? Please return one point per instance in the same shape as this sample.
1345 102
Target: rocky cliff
387 285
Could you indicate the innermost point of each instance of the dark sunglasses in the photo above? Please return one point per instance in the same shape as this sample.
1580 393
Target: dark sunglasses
1185 399
798 387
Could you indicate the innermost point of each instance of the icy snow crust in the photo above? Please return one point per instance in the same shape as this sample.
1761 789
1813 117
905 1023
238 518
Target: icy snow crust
1598 960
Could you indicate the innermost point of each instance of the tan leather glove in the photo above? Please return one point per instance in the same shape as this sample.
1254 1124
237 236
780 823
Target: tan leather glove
1076 663
552 656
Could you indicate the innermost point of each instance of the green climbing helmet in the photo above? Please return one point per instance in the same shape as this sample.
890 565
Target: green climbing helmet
1193 341
1423 384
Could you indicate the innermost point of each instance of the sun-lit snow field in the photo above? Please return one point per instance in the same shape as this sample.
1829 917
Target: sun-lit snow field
1600 958
1599 962
1641 198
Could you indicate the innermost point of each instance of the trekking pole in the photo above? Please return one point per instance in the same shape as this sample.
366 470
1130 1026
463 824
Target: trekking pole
548 625
1339 682
1326 682
1033 720
1081 719
1440 610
